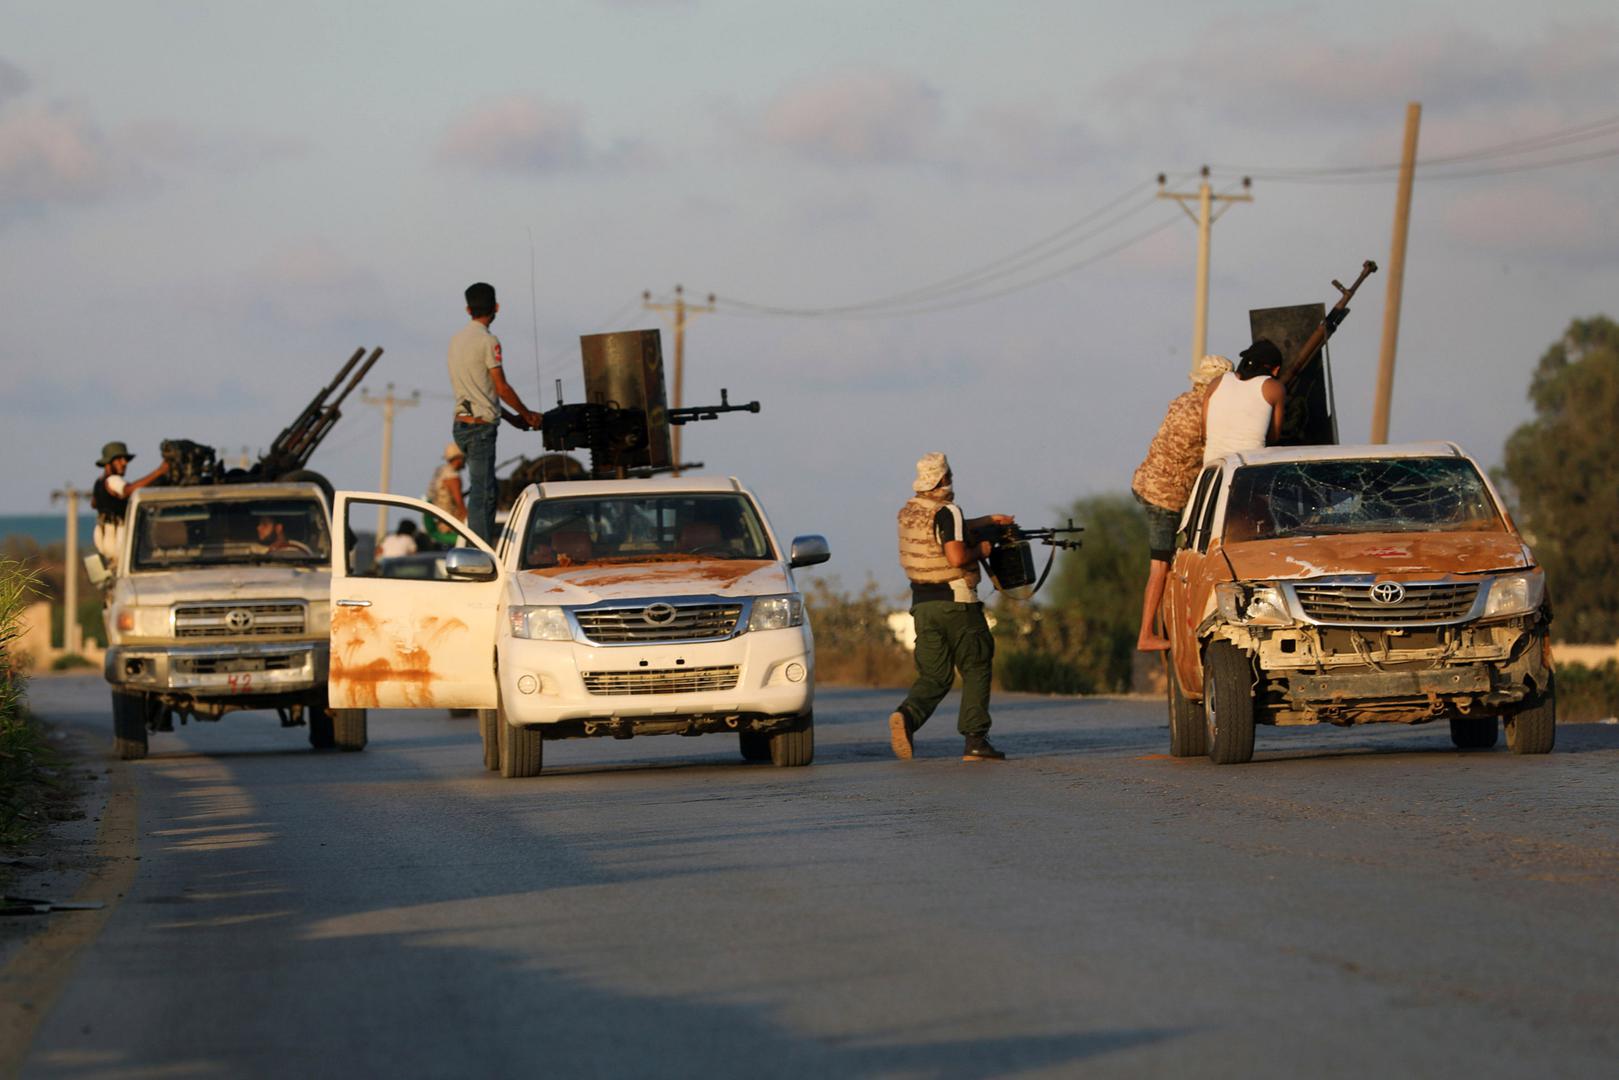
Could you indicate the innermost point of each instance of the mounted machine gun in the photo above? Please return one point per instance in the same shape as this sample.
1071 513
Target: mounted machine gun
195 463
1301 332
1011 560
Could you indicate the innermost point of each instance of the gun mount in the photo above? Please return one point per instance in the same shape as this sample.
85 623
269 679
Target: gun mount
625 421
195 463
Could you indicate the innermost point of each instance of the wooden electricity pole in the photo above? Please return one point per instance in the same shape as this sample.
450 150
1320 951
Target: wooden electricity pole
71 644
1391 307
681 311
389 403
1205 218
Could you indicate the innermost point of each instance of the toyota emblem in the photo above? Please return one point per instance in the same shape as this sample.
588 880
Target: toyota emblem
239 619
1387 592
659 614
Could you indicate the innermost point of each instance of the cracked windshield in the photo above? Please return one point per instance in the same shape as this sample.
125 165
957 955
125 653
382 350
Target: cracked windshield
574 532
222 532
1317 498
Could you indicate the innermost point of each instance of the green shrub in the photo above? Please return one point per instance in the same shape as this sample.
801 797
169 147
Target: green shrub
71 662
1036 672
854 645
1586 693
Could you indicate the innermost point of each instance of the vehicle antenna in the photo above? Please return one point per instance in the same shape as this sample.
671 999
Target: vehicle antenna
534 314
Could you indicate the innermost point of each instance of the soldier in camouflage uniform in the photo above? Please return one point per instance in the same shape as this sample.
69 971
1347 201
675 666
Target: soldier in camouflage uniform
939 551
1163 483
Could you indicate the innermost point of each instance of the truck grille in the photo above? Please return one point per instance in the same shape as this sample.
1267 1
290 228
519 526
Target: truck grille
688 622
1444 602
663 681
277 618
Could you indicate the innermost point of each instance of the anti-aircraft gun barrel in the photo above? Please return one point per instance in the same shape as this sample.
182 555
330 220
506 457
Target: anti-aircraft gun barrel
293 448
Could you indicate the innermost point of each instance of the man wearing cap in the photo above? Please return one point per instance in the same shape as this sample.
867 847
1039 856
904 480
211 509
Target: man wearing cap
1244 409
478 385
109 498
1163 482
444 492
939 551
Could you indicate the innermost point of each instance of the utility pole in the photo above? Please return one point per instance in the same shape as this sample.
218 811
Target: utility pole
1205 218
389 403
1391 307
681 311
71 644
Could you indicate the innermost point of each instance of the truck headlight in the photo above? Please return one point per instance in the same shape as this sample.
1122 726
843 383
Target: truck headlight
540 623
1252 605
777 612
1514 594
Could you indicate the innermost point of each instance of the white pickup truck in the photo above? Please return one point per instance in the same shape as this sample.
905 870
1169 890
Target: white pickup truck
218 603
607 608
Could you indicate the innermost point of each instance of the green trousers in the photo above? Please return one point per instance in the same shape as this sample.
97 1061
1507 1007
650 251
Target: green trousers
949 638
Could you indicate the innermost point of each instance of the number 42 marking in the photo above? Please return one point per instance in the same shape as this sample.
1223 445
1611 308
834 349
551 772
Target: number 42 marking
241 682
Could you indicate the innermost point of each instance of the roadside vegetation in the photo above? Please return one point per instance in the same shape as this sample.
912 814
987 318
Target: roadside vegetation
48 563
31 780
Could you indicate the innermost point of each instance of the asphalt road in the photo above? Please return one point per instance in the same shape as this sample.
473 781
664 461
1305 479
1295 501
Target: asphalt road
1353 903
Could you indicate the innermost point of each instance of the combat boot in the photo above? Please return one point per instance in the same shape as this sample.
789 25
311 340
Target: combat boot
979 749
901 735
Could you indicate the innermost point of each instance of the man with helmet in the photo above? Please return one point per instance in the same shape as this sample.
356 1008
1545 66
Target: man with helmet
939 550
109 498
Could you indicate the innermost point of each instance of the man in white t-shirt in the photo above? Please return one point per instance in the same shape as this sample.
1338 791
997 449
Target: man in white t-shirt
109 498
478 385
402 542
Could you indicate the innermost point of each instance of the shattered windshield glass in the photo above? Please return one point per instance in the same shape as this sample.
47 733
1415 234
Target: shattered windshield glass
1315 498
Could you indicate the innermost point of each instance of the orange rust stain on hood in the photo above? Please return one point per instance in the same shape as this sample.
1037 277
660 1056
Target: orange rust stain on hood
1383 554
366 656
620 580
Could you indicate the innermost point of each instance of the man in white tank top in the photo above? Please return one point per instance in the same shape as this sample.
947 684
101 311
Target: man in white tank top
1244 410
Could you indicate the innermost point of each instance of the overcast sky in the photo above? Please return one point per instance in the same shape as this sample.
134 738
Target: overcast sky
204 208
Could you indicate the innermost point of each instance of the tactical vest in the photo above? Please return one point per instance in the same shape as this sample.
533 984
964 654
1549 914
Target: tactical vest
921 555
105 503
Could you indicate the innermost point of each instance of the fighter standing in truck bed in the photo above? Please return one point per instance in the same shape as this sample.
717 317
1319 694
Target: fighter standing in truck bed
109 498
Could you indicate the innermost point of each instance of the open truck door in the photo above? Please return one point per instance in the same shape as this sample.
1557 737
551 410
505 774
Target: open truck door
411 642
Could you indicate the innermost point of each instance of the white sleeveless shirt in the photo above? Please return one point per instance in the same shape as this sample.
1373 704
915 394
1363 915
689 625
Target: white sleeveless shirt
1239 417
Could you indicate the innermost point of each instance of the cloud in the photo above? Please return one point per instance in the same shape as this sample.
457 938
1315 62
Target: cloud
311 285
231 152
1532 220
527 134
866 116
13 81
53 153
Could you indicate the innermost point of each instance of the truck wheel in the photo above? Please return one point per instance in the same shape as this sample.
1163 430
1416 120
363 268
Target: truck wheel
755 745
129 725
487 719
1534 730
1188 728
789 749
322 735
348 729
1473 732
522 751
1228 681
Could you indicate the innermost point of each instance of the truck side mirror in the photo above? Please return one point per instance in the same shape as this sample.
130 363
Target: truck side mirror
96 569
809 551
468 564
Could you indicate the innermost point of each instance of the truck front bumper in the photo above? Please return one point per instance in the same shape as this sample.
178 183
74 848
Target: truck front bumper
219 670
766 673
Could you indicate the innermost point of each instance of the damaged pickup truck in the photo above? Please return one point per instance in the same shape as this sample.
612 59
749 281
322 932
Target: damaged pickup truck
218 604
608 608
1354 585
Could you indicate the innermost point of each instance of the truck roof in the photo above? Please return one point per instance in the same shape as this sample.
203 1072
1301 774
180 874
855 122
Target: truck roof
655 485
192 492
1273 454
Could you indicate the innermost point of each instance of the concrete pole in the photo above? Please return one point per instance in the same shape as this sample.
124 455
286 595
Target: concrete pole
389 403
71 642
1200 317
1391 307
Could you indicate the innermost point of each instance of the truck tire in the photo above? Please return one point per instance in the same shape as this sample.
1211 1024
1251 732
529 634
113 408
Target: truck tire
129 711
322 735
1228 683
755 745
522 751
348 729
1188 727
1534 730
490 736
1473 732
790 749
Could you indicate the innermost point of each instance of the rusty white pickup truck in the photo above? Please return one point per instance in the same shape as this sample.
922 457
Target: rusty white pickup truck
1353 585
610 608
218 603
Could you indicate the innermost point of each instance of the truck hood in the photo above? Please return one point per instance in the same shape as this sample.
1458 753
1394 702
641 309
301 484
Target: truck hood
1392 554
576 585
225 583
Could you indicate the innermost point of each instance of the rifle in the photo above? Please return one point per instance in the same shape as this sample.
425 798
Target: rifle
1328 326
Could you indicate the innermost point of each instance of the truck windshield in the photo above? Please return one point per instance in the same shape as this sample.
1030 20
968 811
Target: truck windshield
1315 498
643 528
210 532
